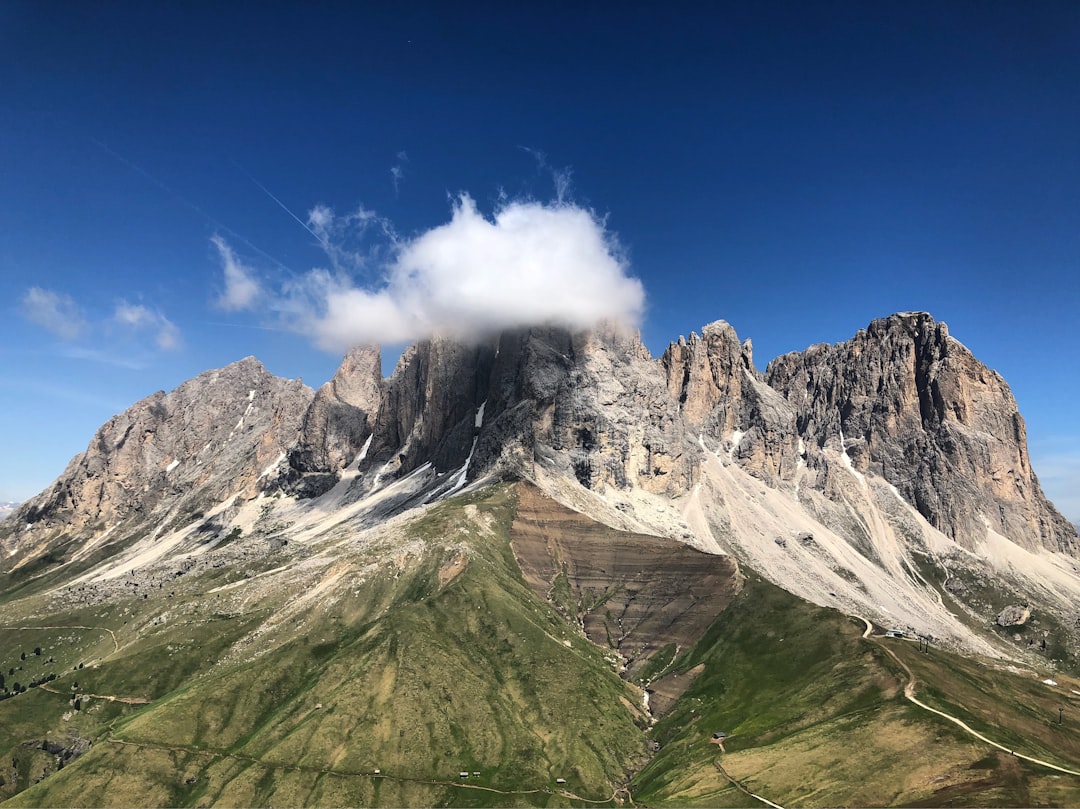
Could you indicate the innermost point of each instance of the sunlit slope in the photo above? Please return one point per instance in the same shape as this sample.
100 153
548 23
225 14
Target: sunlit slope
816 716
449 666
422 651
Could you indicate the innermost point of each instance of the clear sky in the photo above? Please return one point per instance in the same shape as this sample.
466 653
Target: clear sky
184 185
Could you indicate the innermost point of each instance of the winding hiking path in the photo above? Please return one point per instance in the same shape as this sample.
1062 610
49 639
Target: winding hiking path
116 643
909 693
738 785
108 697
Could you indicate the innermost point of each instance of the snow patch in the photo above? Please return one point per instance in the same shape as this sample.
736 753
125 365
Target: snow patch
458 481
274 465
1049 682
736 437
175 463
364 449
846 459
480 415
251 395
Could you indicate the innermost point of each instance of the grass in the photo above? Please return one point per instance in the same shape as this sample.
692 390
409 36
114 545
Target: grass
426 663
419 680
816 717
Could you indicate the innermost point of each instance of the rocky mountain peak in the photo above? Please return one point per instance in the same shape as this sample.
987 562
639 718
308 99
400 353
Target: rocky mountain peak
722 395
212 437
339 420
906 401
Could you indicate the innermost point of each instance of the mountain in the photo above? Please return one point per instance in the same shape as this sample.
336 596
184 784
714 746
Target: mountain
7 507
425 562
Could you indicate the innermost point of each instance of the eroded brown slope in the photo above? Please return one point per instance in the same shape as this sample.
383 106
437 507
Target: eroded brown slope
631 592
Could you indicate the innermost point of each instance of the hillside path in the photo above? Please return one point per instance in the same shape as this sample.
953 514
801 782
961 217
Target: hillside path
738 785
116 643
909 692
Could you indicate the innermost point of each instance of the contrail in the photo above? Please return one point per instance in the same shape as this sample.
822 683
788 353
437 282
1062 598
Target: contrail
284 207
186 202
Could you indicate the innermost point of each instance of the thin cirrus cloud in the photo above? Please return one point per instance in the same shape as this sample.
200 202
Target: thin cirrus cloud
529 264
59 314
241 290
56 312
140 319
397 171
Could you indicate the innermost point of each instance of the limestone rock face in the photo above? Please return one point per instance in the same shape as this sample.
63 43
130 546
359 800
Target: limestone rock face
592 404
212 437
722 395
337 423
429 412
908 402
594 415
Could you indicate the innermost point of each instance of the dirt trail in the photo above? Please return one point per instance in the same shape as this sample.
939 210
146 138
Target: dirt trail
738 785
909 692
108 697
116 644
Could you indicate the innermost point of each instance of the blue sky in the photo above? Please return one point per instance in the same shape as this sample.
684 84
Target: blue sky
796 169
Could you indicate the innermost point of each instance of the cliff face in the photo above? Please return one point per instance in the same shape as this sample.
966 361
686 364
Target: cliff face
594 415
723 396
909 403
213 437
902 401
336 424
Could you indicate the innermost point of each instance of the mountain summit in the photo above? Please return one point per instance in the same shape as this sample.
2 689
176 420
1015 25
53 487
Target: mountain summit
893 447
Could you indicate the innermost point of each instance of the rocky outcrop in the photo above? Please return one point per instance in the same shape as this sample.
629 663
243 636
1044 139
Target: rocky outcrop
337 423
592 405
1013 616
170 455
432 399
722 395
907 402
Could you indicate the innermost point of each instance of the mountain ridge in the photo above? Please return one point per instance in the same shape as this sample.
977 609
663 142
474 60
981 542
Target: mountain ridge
894 449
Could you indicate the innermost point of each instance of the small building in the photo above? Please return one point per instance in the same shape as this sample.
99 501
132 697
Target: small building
378 771
463 775
895 633
718 738
560 781
476 775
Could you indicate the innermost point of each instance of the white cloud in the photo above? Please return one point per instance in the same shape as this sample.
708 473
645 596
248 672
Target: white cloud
345 239
242 290
531 264
55 311
138 318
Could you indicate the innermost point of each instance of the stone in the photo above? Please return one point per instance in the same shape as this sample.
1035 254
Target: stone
1013 616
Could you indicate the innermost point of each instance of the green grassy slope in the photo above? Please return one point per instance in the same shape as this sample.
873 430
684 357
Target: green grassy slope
451 666
430 655
816 717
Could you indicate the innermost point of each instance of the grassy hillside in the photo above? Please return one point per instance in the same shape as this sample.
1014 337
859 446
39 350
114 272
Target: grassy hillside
815 716
397 662
446 664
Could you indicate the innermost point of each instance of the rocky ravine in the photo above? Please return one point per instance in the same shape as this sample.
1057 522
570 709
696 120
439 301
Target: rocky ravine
894 450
